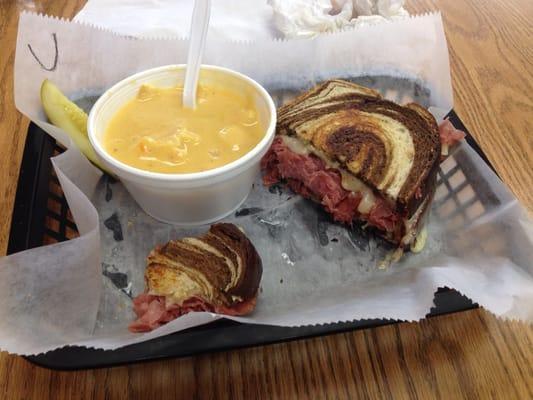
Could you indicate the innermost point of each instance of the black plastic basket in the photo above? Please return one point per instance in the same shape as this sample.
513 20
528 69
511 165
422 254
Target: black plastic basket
41 216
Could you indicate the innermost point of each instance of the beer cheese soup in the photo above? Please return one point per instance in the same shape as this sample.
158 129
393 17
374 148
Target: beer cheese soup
154 132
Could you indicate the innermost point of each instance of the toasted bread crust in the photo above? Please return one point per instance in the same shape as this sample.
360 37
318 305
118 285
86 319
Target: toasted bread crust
252 268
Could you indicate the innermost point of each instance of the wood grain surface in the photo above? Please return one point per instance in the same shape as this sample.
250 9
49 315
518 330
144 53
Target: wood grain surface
469 355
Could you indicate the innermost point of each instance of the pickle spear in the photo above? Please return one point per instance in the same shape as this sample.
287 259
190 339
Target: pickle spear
66 115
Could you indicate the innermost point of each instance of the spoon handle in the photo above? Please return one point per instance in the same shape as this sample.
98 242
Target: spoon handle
198 33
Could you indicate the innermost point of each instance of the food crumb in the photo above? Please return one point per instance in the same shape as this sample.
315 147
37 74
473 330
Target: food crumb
287 259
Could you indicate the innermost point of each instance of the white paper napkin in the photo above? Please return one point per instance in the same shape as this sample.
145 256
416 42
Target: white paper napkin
238 19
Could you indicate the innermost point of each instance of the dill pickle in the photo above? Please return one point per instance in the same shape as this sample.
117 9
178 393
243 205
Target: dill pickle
66 115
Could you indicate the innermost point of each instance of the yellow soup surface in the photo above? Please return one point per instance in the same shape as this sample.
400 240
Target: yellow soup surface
156 133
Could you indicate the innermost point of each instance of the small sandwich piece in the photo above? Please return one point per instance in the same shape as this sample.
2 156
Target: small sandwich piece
217 272
362 157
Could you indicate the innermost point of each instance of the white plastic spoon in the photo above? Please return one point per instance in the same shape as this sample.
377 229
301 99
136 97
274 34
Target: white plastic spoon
199 25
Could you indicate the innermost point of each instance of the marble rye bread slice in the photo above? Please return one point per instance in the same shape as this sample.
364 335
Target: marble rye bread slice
394 149
217 272
362 157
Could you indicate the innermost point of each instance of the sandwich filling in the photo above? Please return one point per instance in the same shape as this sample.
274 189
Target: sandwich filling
344 196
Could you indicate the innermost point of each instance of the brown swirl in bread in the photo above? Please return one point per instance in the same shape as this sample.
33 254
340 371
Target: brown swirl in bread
221 267
394 149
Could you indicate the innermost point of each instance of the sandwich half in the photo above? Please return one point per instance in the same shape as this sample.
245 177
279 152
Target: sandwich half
362 157
216 272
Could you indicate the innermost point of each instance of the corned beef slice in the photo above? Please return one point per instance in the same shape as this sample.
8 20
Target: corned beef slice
152 311
308 176
448 134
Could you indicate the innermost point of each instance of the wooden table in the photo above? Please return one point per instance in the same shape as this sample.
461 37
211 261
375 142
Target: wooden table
464 355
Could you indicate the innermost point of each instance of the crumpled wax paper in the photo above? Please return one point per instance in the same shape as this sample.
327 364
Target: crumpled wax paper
315 271
239 19
308 18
